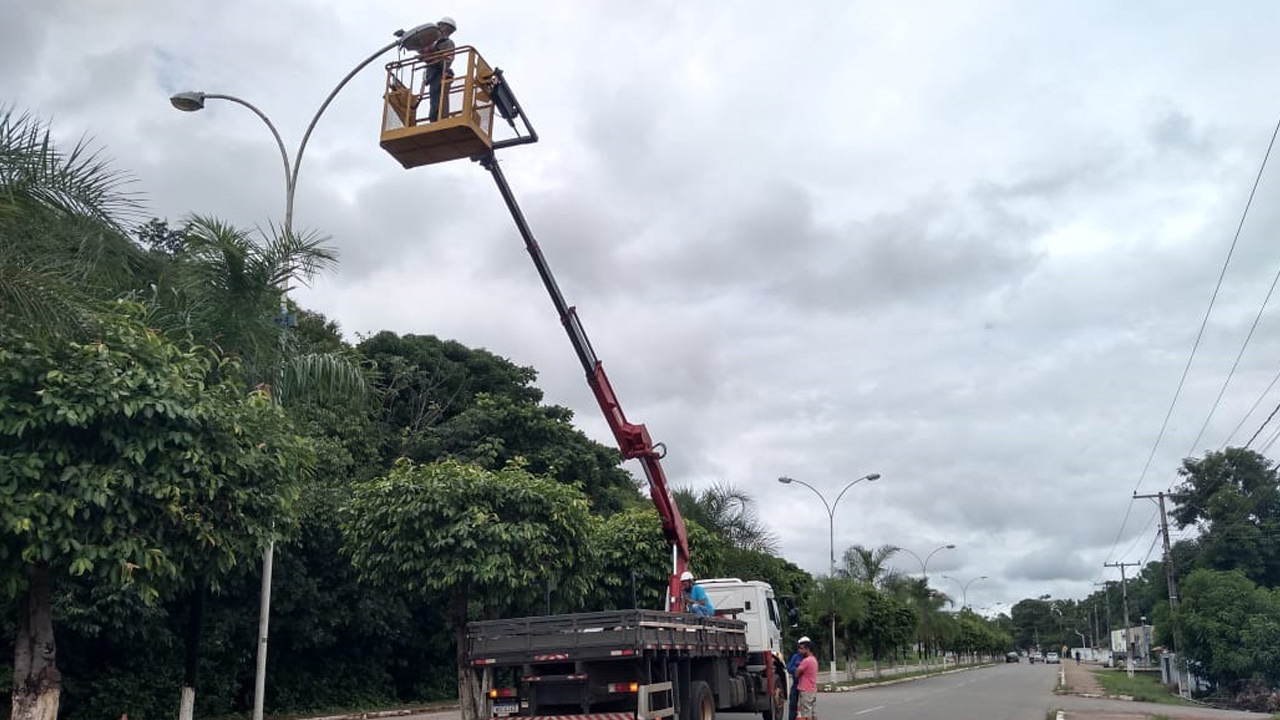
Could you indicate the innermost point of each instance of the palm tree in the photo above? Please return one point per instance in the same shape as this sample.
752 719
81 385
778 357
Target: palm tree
63 229
869 565
229 288
728 512
927 603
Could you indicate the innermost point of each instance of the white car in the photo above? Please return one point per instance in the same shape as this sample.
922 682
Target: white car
1051 658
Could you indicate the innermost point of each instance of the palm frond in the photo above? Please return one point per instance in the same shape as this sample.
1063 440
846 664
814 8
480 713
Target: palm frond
81 183
320 377
297 256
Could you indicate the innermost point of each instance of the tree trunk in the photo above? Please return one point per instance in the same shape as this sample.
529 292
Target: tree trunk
470 693
191 650
37 684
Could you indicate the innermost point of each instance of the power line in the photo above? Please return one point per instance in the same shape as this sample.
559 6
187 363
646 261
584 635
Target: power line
1213 299
1249 414
1270 442
1239 228
1264 422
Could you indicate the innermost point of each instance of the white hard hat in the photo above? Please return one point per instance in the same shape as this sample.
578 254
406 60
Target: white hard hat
446 20
686 575
804 640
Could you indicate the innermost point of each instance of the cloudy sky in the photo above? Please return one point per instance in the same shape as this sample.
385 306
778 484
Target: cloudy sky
962 244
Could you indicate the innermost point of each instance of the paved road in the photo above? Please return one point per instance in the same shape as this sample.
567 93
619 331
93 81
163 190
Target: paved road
1004 692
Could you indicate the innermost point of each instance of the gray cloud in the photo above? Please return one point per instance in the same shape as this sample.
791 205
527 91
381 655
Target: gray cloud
967 247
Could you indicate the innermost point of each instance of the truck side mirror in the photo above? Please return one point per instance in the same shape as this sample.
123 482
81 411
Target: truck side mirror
793 613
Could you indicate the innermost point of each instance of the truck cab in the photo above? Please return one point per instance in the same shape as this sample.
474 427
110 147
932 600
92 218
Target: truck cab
752 602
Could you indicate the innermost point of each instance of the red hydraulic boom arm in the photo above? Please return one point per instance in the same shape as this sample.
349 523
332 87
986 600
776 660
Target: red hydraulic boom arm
633 438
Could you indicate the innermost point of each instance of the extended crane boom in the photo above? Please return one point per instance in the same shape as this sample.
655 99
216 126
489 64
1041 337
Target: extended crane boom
633 438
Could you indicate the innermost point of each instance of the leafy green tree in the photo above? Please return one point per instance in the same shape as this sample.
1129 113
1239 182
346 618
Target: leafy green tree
468 534
132 460
227 287
1233 497
443 400
869 565
889 625
926 603
629 550
1230 627
843 602
730 513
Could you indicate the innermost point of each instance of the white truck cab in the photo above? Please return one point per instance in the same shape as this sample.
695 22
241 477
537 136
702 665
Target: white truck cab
753 602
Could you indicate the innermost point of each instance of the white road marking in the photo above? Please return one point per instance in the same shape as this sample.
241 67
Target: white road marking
863 712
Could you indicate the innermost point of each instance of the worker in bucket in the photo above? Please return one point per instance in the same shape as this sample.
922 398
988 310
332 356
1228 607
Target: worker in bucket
440 70
695 597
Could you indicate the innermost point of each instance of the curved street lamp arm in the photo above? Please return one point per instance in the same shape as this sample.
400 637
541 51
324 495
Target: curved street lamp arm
284 154
930 556
917 557
845 490
302 146
830 511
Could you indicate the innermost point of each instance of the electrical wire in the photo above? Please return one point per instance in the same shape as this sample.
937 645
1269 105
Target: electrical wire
1270 442
1223 390
1213 299
1249 414
1263 426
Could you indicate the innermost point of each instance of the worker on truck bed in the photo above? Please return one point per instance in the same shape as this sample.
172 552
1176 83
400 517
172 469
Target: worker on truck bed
695 597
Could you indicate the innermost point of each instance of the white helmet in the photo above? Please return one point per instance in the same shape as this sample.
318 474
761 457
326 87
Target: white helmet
804 640
686 575
446 20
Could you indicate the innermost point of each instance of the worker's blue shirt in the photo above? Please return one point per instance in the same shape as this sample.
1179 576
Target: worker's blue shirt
698 596
794 663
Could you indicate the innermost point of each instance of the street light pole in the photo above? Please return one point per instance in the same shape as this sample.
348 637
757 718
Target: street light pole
964 588
831 536
924 564
191 102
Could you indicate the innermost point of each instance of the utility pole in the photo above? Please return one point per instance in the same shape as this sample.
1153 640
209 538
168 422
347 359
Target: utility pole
1093 606
1106 586
1169 574
1128 632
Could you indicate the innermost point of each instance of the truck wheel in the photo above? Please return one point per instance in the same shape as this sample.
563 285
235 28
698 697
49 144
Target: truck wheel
701 704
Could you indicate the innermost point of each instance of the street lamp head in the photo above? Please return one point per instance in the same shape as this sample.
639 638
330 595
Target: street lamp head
982 577
873 477
786 480
420 38
188 101
949 547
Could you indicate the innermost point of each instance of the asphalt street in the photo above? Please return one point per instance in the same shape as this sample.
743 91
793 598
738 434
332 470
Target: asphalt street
1014 691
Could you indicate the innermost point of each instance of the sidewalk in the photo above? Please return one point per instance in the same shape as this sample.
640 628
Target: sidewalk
1080 680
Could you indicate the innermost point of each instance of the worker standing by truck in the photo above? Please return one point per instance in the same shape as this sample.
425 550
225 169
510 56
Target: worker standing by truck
793 702
807 682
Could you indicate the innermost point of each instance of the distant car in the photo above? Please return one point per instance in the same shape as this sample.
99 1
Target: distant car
1012 657
1034 658
1051 658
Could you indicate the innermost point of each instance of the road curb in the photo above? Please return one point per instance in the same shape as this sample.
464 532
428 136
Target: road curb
374 714
883 683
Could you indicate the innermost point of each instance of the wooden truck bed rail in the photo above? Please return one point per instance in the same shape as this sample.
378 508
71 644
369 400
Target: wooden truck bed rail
602 635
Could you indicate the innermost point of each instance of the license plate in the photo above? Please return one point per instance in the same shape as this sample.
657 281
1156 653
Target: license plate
503 709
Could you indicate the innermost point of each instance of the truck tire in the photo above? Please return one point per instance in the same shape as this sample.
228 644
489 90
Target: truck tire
701 705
